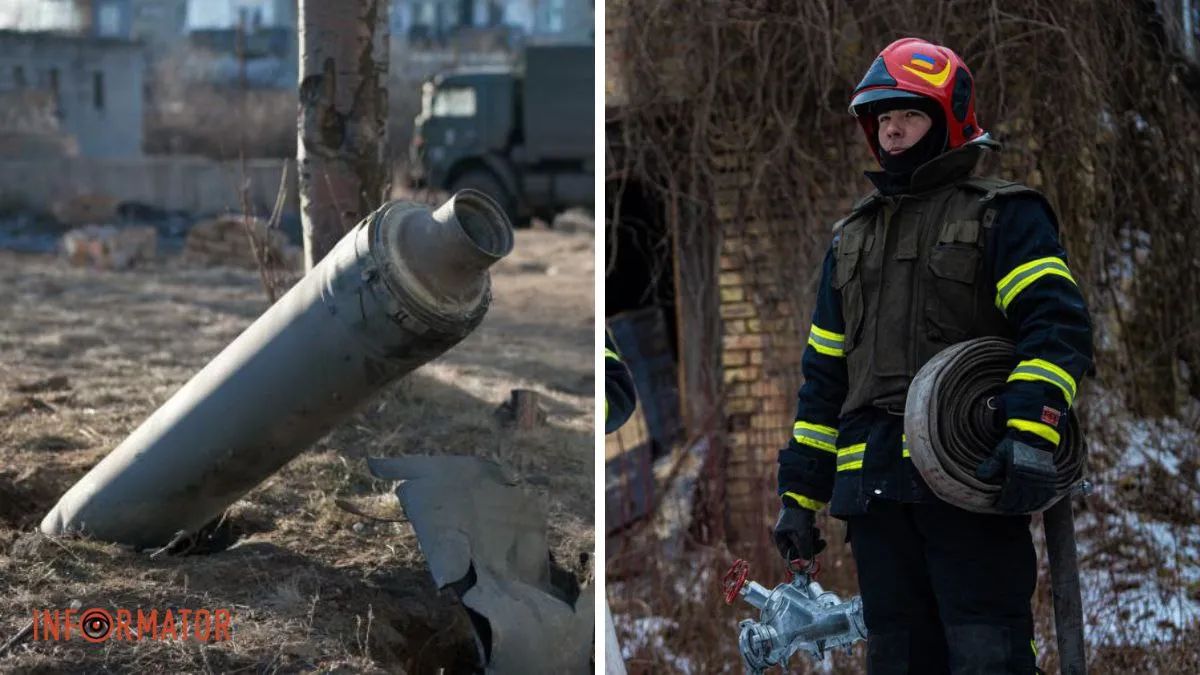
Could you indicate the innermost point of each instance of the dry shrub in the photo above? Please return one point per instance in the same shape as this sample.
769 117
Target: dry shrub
223 123
184 116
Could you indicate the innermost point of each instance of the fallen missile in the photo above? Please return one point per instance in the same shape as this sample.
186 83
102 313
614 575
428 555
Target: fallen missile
488 543
402 287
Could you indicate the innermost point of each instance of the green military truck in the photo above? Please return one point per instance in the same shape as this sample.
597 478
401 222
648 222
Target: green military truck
522 134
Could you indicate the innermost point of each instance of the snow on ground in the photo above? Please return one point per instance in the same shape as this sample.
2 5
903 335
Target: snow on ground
1139 537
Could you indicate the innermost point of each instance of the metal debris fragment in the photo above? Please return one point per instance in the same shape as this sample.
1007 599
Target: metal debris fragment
486 539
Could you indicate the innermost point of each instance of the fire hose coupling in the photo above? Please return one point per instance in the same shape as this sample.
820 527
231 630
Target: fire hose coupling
795 616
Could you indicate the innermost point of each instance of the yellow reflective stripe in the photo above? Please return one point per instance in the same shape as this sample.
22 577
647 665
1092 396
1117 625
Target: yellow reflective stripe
807 503
610 354
605 409
851 449
1039 370
826 342
1017 280
816 435
1044 430
851 457
1034 648
904 446
827 334
827 351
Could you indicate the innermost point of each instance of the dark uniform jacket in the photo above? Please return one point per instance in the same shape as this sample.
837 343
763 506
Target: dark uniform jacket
620 397
949 259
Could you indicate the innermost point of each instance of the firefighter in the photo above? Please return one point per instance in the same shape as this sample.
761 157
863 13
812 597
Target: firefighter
931 257
620 397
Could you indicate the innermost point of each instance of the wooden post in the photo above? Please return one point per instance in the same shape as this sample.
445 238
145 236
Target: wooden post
525 409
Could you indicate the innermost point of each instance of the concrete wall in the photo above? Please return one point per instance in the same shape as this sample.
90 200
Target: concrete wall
199 186
98 83
158 24
568 19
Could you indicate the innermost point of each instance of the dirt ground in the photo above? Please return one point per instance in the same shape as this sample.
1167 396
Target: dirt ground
86 355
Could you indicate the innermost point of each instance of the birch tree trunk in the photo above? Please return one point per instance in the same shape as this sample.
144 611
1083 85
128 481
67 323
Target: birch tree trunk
343 166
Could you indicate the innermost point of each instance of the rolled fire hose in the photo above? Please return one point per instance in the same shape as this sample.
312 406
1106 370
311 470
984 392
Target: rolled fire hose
949 421
951 427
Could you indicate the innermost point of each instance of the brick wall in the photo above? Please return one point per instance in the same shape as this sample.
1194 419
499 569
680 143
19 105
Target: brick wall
769 271
761 369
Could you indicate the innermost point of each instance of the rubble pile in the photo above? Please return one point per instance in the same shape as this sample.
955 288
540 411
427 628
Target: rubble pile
110 247
227 241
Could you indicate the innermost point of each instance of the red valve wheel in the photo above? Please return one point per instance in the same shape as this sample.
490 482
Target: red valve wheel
734 579
810 567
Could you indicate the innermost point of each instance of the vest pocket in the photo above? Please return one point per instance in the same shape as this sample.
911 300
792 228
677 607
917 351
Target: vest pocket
847 281
950 305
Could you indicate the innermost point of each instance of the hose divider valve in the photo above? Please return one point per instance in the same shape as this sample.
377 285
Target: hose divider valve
796 616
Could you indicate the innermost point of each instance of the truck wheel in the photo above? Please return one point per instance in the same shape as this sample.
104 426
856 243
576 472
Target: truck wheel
486 182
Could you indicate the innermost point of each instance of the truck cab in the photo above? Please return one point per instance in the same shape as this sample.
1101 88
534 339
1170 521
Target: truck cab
521 134
465 115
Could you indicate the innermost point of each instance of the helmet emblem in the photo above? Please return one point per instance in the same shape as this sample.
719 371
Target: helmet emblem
936 79
926 62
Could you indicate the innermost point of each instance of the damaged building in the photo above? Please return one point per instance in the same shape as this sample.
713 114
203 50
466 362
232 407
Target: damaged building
92 86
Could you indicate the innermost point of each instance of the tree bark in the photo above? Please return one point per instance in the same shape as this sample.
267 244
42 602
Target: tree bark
342 144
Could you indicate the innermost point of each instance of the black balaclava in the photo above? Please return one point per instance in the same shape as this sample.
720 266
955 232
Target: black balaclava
900 167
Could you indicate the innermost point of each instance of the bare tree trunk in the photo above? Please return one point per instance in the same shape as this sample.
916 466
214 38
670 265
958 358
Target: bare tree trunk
344 171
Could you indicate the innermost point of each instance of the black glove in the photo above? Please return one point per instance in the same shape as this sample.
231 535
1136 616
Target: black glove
796 534
1028 476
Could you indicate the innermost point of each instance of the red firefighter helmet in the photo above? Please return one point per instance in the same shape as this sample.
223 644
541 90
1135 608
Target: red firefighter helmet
911 67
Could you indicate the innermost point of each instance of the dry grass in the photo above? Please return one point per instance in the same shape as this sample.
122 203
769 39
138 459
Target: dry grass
87 355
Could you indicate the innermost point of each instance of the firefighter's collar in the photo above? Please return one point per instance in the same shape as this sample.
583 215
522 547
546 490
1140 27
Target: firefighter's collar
946 168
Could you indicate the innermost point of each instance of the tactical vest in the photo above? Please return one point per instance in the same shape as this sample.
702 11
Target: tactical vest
910 272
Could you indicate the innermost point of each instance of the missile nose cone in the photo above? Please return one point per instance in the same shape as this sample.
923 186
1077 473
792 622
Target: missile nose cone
473 215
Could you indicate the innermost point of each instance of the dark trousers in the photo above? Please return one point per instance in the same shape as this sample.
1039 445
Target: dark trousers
945 590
